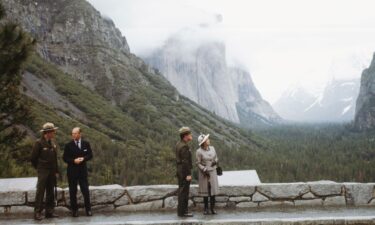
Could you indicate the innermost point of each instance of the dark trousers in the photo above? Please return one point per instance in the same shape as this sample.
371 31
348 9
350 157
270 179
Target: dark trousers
212 198
45 185
212 202
183 195
74 180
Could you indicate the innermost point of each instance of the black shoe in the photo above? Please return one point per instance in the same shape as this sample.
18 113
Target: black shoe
75 213
212 205
52 215
38 216
188 215
88 213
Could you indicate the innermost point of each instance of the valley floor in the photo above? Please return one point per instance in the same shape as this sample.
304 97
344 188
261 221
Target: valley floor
309 152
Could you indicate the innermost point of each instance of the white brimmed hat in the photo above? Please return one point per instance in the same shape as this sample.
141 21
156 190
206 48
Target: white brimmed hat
48 127
203 138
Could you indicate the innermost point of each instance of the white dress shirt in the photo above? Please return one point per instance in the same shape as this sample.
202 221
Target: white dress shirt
78 143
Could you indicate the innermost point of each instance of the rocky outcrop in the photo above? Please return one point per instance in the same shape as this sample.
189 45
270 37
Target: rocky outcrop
198 69
68 22
365 107
252 109
163 197
43 91
75 36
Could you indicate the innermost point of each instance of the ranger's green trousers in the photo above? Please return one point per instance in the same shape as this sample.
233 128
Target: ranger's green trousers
46 184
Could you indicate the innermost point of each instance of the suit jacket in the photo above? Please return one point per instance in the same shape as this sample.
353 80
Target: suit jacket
72 152
183 160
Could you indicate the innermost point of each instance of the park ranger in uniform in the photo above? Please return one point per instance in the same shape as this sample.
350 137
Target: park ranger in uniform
44 159
184 166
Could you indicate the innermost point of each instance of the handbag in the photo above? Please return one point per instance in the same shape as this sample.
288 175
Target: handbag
219 171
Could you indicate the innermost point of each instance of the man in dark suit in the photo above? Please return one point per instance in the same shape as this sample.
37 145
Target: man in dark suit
76 153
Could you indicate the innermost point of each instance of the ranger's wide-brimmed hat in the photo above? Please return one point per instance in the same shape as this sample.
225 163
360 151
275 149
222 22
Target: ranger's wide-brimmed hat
203 138
48 127
184 130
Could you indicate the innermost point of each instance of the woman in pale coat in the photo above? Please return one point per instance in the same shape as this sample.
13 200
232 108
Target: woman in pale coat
207 163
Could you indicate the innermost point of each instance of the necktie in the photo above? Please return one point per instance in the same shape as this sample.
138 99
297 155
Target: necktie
77 143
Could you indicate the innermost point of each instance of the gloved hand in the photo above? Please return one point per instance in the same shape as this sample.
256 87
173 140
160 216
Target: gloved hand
206 172
214 163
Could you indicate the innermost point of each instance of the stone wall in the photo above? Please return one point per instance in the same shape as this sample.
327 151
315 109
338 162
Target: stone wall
163 197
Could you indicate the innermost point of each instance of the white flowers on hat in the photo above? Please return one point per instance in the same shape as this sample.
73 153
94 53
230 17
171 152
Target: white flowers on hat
203 138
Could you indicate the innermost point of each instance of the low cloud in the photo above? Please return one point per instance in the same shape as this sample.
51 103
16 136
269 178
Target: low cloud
280 42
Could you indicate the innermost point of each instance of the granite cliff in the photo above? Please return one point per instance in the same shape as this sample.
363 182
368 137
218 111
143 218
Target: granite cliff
199 70
365 106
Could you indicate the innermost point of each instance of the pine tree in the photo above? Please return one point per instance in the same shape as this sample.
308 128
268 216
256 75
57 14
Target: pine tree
15 48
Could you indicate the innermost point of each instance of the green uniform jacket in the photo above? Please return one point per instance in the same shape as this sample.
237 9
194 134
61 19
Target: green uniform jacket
183 160
44 155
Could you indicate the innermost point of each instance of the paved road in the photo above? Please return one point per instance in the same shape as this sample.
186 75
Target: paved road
232 217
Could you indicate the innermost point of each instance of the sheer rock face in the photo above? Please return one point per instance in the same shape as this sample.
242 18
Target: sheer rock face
252 109
200 72
365 107
75 36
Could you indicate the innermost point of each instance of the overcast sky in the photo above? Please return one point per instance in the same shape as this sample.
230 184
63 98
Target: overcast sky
281 42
